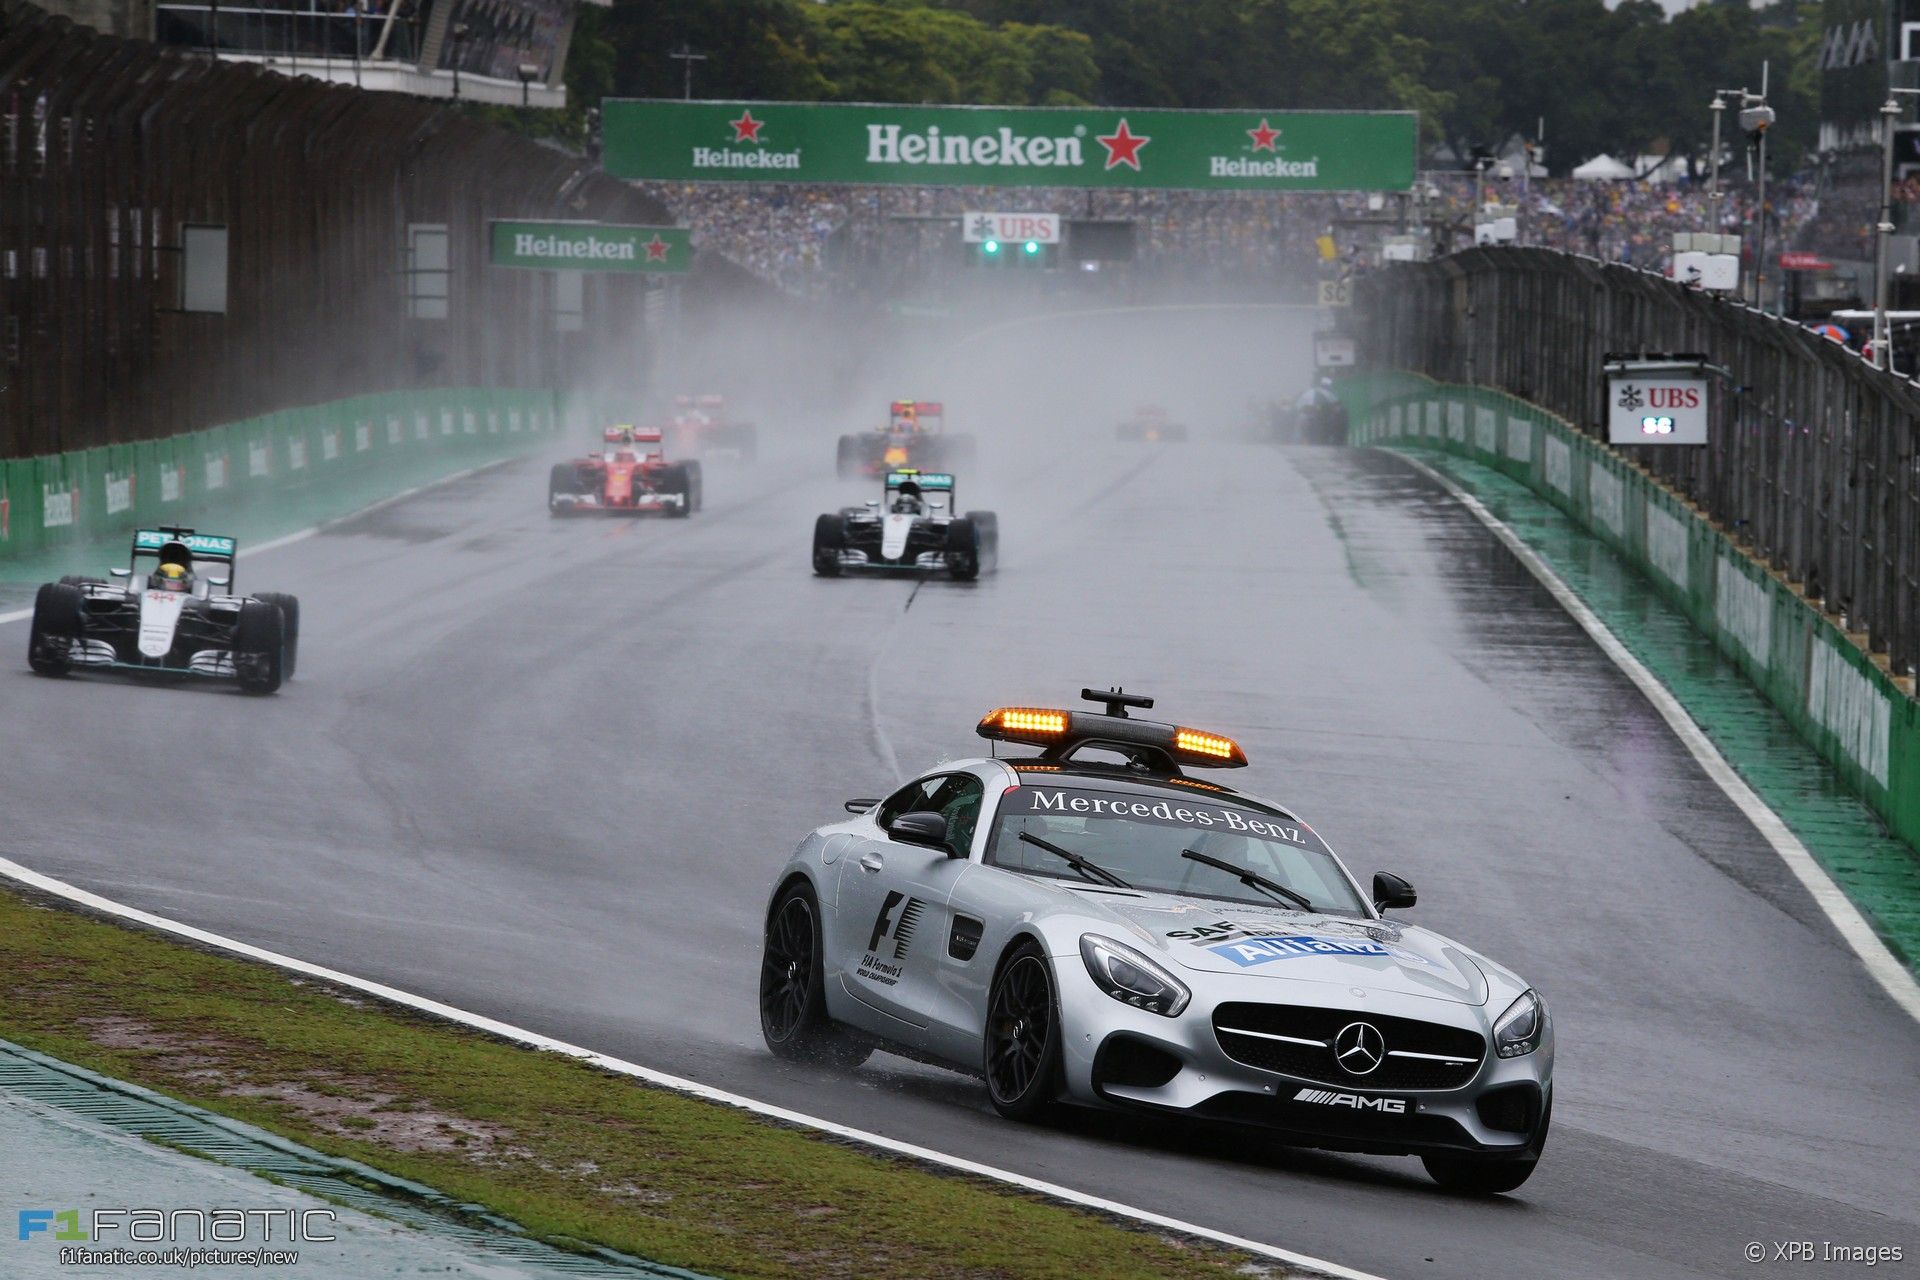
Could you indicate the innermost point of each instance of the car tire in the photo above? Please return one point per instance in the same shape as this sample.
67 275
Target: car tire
963 550
56 625
1021 1041
259 648
829 539
289 607
563 479
986 524
696 483
1471 1175
793 989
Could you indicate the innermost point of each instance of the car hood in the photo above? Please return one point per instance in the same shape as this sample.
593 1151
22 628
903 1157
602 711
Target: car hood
1294 946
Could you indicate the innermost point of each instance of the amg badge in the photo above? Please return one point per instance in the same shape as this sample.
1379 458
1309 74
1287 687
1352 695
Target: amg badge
1328 1098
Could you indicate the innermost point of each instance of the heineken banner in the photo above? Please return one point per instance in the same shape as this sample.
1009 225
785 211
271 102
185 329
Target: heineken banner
590 246
1009 146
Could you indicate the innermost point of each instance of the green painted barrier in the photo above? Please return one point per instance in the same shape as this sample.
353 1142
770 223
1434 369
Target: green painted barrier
90 494
1846 707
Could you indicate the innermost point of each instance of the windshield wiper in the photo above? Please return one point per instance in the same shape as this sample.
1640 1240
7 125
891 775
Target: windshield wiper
1085 866
1252 879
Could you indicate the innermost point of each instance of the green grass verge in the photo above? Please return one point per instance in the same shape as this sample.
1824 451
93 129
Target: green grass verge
568 1150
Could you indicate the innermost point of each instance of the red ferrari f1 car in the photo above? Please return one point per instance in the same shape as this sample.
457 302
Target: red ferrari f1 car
631 475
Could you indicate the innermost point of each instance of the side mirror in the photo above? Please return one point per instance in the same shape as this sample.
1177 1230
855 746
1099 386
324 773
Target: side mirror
121 573
923 827
1391 891
862 805
218 581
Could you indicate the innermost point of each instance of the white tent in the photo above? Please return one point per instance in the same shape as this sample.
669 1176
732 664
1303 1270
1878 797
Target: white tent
1603 168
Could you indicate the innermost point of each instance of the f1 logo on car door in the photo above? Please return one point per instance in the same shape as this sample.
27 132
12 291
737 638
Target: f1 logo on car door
893 930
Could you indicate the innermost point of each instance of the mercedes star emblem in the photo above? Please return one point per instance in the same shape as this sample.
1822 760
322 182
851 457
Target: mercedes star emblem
1359 1048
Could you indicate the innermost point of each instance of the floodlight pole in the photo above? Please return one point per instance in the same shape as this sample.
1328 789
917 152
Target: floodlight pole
687 57
1719 109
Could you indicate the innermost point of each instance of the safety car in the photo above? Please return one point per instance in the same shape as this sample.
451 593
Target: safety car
629 476
183 618
913 525
1150 423
1087 922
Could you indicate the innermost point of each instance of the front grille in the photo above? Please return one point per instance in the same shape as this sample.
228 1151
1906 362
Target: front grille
1243 1031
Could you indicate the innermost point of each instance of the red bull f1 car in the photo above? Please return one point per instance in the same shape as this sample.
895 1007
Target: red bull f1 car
630 476
914 436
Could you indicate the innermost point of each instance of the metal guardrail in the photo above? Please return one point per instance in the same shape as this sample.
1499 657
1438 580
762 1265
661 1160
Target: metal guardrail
109 147
1814 460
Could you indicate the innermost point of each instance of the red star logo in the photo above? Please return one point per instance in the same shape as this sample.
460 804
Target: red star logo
1263 136
746 128
1123 146
657 248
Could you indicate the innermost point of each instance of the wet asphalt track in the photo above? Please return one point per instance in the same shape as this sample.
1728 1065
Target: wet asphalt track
545 770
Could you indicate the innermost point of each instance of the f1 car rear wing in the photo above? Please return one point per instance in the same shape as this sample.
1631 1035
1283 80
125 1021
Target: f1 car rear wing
170 541
927 415
201 546
928 481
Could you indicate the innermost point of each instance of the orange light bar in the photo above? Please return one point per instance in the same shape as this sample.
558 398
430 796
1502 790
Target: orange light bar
1210 745
1023 723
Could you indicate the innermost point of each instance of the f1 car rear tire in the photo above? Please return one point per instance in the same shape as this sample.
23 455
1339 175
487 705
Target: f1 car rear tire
986 524
289 607
963 549
1471 1175
56 624
259 648
793 993
1022 1036
829 538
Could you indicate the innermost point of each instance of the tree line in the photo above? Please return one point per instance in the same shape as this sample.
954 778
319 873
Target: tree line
1618 80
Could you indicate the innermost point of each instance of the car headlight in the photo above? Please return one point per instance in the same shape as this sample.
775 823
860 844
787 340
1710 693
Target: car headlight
1131 978
1519 1029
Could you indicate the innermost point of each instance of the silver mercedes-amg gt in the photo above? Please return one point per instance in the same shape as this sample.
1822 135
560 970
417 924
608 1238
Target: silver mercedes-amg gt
1088 924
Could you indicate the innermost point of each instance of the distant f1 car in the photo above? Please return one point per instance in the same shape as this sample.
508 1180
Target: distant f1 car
1150 423
913 437
912 527
169 622
700 428
630 476
1086 922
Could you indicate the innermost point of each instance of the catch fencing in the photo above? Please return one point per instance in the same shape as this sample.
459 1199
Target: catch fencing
357 248
1813 465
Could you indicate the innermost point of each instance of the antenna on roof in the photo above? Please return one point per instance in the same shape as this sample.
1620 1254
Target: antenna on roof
1117 700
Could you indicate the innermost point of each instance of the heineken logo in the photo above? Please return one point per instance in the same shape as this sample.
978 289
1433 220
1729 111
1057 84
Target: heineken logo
586 246
592 248
892 144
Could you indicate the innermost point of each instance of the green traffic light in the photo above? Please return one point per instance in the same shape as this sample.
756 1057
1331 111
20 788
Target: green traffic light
990 247
1033 246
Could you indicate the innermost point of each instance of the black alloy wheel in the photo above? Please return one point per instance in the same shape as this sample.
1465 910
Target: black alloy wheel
1023 1037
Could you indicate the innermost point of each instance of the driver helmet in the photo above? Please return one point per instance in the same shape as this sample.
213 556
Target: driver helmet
907 500
171 577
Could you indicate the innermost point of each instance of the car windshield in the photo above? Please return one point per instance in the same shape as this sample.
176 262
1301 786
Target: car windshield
1142 838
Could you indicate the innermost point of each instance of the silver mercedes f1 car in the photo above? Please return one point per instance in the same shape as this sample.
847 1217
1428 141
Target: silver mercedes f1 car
1086 923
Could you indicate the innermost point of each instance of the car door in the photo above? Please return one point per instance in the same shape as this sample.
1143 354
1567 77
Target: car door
892 918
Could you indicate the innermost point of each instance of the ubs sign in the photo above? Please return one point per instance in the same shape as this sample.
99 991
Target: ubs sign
1657 408
1041 228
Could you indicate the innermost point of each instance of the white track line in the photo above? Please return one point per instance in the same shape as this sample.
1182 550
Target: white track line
533 1039
1882 964
274 544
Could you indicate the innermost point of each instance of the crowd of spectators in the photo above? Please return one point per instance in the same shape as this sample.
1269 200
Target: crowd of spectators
816 240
